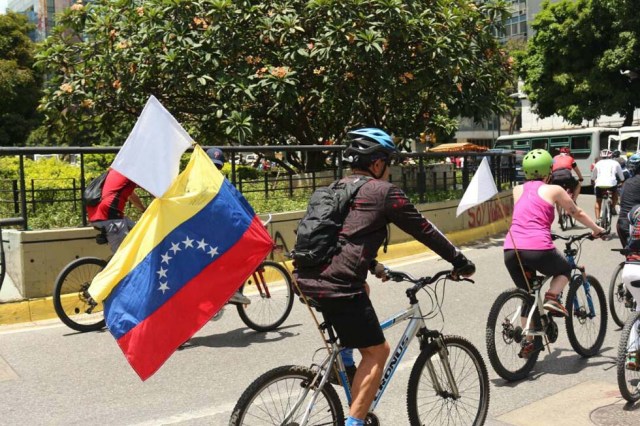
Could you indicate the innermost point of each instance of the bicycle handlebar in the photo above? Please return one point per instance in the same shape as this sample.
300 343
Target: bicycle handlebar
398 276
574 238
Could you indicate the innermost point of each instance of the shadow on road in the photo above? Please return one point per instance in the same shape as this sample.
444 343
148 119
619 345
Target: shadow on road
240 338
553 364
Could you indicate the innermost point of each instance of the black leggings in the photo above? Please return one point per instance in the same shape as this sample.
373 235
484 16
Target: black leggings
547 262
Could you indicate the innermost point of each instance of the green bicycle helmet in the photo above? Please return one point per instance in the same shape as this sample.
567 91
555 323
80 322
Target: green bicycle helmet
537 164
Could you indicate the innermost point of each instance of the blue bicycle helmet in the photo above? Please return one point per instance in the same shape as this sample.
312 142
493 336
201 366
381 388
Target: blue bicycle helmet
633 163
368 141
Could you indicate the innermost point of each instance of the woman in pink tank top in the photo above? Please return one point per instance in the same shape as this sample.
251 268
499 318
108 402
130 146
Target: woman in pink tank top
530 231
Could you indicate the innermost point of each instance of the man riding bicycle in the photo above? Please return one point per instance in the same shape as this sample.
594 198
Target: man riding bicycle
606 176
563 164
340 287
629 197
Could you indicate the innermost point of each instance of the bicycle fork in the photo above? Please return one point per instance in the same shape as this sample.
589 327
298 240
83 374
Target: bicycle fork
443 353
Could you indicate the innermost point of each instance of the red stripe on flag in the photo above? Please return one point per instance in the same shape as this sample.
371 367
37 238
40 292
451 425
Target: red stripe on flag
148 345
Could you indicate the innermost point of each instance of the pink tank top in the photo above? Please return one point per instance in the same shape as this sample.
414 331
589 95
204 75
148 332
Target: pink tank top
532 219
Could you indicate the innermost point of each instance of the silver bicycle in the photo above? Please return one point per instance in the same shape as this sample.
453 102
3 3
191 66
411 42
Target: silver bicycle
448 384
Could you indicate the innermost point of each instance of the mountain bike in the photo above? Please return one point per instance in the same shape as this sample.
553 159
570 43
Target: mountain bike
565 220
269 288
508 332
621 303
606 209
628 379
448 384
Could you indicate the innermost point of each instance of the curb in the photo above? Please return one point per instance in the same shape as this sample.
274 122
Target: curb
42 308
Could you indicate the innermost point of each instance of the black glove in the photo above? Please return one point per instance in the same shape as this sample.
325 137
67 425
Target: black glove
463 266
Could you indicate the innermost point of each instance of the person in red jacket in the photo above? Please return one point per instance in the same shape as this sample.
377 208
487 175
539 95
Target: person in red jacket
563 164
109 213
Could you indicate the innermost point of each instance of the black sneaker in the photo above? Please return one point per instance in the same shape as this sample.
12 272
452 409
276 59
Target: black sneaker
351 372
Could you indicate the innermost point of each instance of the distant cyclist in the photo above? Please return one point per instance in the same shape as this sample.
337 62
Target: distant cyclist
561 173
629 197
606 175
530 232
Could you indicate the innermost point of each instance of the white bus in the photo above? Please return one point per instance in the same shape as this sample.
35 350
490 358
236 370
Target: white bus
627 141
585 144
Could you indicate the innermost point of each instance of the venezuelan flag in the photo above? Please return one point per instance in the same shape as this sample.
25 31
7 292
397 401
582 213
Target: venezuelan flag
184 259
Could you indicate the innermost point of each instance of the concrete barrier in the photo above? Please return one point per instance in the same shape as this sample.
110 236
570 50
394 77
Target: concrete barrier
35 258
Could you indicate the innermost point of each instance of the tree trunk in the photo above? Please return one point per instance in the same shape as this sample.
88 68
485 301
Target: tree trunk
628 116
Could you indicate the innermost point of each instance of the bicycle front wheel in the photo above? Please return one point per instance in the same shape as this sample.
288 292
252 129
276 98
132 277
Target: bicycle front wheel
629 380
504 335
605 214
431 398
70 296
271 293
271 397
587 320
619 312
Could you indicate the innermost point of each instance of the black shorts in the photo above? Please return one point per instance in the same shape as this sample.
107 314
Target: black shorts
354 320
547 262
600 190
564 178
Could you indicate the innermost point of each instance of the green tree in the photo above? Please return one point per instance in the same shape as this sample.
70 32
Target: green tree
19 83
280 71
573 62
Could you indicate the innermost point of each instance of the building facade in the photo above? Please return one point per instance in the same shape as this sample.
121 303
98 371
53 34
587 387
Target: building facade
41 13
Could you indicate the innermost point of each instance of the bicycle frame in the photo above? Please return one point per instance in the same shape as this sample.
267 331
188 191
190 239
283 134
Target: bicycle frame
415 326
528 331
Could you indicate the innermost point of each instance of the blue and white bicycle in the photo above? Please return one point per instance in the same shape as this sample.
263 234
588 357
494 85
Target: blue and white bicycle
448 384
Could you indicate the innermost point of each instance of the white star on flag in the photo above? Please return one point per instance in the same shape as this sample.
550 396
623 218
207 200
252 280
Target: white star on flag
165 258
213 251
188 242
202 245
163 287
162 272
175 247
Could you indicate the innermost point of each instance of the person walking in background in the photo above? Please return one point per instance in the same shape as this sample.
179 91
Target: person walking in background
109 213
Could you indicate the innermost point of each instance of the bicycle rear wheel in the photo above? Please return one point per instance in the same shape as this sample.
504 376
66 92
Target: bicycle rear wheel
629 380
271 293
71 298
619 312
504 335
269 399
605 214
587 320
428 403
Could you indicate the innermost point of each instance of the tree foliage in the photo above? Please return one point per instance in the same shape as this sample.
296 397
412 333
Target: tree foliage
19 84
279 71
573 63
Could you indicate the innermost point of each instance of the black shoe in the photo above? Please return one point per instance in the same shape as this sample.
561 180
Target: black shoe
351 372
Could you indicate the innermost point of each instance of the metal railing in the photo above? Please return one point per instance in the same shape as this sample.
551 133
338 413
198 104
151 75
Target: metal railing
416 173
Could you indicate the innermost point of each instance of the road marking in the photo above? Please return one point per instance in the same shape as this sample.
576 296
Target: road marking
192 415
6 372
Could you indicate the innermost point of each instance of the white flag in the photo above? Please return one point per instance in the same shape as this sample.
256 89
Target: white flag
480 189
151 154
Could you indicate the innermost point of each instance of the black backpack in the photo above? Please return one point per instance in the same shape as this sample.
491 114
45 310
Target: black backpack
317 235
92 194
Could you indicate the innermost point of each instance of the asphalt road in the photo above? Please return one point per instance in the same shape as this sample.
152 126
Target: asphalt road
51 375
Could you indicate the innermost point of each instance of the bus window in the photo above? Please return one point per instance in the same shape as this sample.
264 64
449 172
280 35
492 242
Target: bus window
581 146
557 143
539 143
522 144
604 141
629 144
